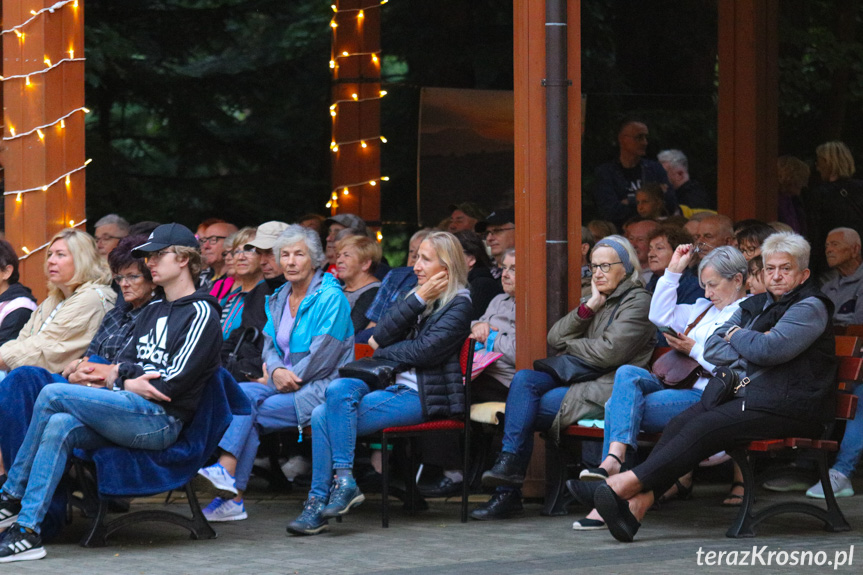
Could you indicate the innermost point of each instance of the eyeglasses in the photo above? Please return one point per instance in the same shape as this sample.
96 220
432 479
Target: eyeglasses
131 278
105 239
212 240
156 256
606 267
498 231
249 250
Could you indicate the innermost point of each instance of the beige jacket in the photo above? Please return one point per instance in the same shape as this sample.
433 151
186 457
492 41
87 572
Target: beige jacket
54 344
628 340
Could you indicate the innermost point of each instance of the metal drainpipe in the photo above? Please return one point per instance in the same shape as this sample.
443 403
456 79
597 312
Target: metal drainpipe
556 85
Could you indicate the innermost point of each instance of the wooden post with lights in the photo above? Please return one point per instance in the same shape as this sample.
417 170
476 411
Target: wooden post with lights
42 153
355 109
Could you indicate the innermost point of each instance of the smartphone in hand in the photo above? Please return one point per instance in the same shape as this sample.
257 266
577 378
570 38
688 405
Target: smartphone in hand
668 331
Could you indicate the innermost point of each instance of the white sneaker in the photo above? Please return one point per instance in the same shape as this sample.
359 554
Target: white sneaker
296 465
219 478
841 486
225 510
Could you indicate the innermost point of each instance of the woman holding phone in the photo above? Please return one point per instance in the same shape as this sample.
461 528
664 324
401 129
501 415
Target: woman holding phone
424 333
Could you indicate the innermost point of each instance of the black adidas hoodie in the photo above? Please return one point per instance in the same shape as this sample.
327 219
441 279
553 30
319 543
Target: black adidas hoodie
180 340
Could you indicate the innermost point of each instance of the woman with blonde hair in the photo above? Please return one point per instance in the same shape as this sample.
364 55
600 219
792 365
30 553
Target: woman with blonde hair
79 296
423 333
837 202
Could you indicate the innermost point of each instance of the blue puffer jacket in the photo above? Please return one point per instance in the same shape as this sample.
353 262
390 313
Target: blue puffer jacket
322 339
431 345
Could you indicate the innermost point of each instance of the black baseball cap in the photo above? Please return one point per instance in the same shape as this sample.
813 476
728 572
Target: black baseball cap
165 236
500 217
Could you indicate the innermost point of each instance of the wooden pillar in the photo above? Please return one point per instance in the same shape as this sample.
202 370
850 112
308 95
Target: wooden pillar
43 127
748 113
530 183
355 110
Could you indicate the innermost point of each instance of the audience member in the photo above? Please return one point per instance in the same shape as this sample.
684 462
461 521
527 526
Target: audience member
637 231
465 216
663 242
308 336
500 233
241 352
335 224
650 202
640 401
691 226
16 300
618 180
109 230
687 191
483 286
755 283
587 243
611 329
424 333
247 273
845 289
212 246
223 286
837 202
356 260
601 229
750 238
313 221
782 341
159 392
713 231
144 228
79 296
793 176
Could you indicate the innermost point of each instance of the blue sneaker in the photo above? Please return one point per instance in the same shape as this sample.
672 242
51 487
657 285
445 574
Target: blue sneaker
310 521
345 496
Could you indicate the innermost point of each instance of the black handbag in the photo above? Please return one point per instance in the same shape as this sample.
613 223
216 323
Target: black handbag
725 385
568 369
375 372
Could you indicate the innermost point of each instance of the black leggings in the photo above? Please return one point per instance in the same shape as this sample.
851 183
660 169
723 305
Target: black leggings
698 433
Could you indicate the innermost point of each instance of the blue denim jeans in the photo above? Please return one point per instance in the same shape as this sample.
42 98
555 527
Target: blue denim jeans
66 417
639 402
352 410
533 402
271 411
852 443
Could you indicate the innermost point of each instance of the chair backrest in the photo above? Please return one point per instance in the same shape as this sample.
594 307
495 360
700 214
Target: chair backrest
465 359
849 346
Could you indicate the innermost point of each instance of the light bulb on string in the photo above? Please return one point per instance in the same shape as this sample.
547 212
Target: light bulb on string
373 183
363 144
346 191
47 61
18 198
41 135
384 140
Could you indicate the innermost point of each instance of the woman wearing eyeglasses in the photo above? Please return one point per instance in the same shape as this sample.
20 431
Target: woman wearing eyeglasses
246 271
608 330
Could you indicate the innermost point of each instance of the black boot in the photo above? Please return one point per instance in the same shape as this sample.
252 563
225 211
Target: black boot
506 472
502 505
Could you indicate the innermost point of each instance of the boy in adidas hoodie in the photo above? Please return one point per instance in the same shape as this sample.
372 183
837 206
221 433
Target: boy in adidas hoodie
141 402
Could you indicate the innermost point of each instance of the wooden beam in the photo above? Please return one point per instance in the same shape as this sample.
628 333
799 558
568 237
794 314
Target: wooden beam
41 99
748 112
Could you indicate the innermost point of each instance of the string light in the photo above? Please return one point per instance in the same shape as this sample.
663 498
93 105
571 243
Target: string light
35 14
46 186
346 187
38 129
50 67
334 146
28 253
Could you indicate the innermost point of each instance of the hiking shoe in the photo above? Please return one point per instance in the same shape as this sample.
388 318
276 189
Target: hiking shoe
786 484
9 510
20 544
219 478
345 496
225 510
841 486
310 521
506 472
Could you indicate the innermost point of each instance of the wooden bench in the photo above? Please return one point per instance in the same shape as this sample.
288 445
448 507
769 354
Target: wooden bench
849 349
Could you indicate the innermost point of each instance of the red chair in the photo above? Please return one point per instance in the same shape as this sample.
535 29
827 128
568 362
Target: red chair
413 432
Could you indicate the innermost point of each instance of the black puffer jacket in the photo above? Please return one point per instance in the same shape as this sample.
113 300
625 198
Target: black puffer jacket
431 345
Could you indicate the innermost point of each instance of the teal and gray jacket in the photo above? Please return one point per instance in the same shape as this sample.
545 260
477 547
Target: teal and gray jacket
322 340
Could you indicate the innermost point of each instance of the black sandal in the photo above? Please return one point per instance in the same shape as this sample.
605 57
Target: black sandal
598 473
616 513
683 493
737 499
